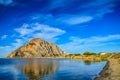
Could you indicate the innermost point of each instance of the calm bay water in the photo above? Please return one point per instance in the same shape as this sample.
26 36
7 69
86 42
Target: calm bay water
49 69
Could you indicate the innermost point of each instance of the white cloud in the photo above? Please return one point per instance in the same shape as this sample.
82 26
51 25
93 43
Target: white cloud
94 43
47 32
40 31
63 19
78 20
74 19
106 38
24 30
4 37
6 2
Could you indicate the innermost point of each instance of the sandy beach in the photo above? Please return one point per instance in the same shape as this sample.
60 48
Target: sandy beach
111 71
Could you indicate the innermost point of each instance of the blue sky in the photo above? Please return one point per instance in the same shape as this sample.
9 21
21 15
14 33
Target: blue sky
75 26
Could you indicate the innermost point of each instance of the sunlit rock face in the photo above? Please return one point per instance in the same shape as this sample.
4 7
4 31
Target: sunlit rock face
37 69
37 48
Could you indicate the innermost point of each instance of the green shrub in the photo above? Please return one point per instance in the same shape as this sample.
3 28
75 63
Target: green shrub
89 53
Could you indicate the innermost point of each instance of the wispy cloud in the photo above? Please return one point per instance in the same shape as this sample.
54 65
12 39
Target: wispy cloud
47 32
4 37
78 20
24 30
39 30
6 2
94 43
63 19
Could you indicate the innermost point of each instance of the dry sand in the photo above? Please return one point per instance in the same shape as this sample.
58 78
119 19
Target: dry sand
111 70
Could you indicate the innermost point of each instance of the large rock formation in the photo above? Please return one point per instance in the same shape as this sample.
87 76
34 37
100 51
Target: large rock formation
37 48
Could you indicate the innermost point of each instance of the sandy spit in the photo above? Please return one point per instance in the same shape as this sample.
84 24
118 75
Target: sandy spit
111 71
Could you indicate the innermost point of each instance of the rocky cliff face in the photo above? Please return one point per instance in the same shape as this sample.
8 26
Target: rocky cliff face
37 48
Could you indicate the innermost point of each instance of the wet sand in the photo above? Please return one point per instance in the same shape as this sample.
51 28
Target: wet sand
111 71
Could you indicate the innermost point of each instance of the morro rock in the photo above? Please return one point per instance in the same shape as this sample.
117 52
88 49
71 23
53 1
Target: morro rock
37 48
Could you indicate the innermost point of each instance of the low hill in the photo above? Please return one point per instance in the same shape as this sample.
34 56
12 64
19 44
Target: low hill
37 48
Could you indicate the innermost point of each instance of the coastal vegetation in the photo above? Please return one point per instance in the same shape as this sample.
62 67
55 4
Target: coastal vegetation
91 56
89 53
115 56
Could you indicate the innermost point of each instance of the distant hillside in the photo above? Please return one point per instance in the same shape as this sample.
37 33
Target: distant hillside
37 48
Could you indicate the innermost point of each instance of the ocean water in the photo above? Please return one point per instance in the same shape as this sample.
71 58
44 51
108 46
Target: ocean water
49 69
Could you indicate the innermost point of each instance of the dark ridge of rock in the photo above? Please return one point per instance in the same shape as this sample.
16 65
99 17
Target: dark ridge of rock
37 48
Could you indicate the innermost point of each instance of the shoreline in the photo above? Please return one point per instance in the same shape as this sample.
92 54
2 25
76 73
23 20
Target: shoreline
102 73
111 70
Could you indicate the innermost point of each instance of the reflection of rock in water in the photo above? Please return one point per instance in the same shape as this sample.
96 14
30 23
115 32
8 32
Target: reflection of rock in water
37 69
